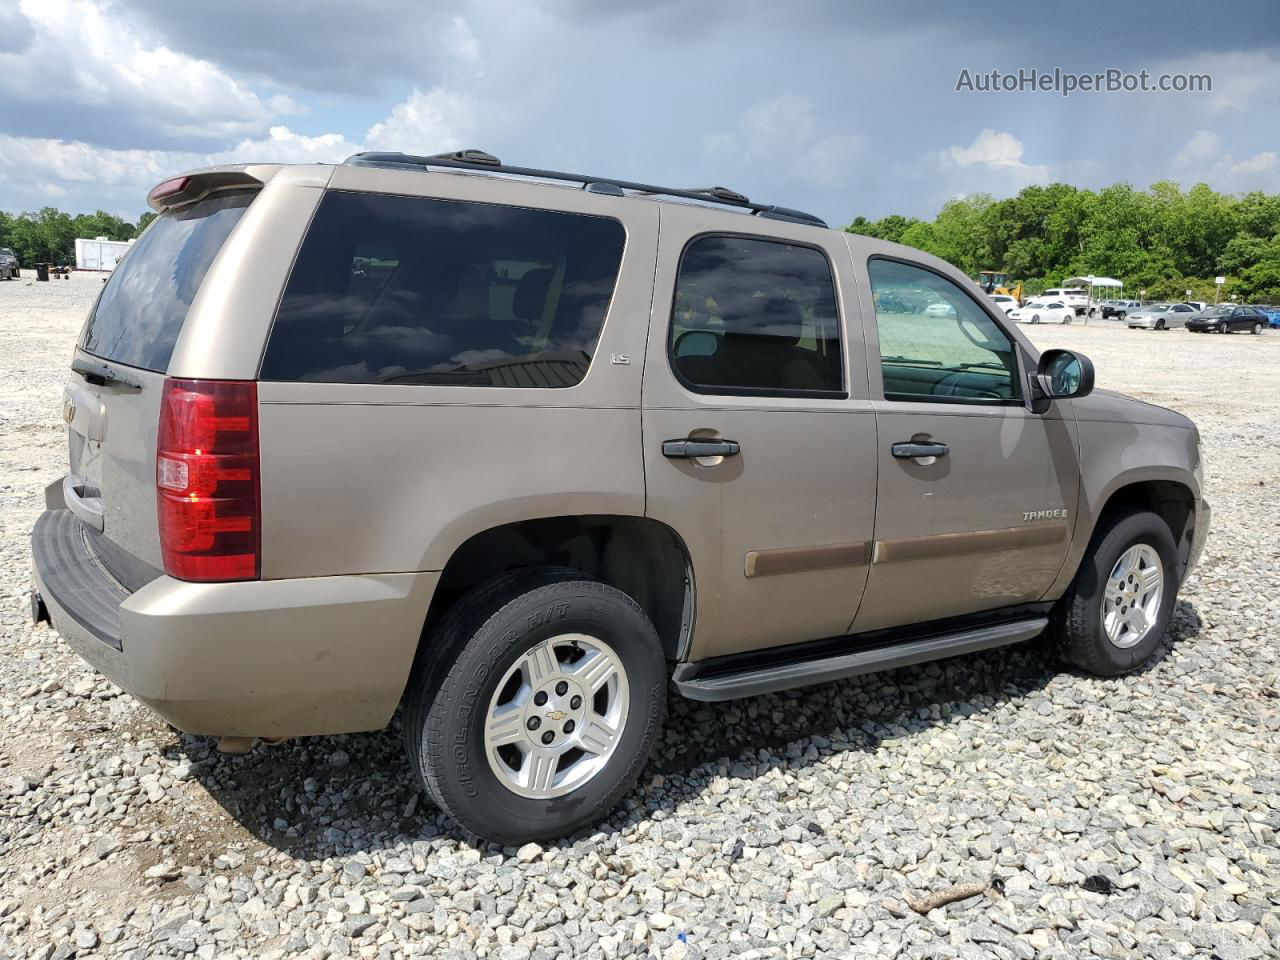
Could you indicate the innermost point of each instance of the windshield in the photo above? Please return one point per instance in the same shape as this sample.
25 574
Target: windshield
1157 308
1217 311
143 306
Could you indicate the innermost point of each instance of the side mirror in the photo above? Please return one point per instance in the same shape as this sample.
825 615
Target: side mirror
1061 375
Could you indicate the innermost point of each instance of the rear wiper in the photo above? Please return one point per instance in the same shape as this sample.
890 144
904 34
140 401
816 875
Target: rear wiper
99 373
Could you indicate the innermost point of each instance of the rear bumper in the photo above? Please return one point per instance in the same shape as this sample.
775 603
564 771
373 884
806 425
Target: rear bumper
268 658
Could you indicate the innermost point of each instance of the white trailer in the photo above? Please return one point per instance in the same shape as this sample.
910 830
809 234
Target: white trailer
99 253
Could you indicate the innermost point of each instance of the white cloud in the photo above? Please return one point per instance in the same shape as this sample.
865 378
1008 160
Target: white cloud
432 121
1203 160
426 121
996 151
782 134
88 57
1238 79
778 125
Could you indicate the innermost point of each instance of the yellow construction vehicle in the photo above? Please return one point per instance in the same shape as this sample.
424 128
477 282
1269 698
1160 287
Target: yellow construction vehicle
993 281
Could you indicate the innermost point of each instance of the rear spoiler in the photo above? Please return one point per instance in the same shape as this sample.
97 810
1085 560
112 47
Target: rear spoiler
198 184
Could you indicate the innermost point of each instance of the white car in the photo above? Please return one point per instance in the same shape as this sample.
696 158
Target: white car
1043 311
1003 302
940 308
1074 297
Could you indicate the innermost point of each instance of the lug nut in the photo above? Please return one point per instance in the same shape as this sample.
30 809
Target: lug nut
575 702
561 688
534 723
540 697
548 737
568 726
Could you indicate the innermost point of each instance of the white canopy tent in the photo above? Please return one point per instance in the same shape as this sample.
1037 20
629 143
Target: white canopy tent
1091 282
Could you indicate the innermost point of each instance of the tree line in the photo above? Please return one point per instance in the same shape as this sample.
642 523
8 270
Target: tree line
49 236
1162 240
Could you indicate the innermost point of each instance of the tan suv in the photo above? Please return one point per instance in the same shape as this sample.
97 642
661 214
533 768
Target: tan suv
521 449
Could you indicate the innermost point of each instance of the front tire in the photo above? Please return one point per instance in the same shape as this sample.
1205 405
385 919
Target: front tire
1119 604
537 703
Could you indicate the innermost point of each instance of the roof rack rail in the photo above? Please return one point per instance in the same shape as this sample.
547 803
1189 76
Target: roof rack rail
478 160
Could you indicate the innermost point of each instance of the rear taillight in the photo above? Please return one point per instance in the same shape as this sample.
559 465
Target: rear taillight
207 488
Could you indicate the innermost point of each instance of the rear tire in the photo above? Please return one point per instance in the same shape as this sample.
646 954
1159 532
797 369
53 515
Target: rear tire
1223 328
1257 329
1095 624
512 648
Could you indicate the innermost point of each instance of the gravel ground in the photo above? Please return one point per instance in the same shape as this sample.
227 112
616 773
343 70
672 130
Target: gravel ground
1107 818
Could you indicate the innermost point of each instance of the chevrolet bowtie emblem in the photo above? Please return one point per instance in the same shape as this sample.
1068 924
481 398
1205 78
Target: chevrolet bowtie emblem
68 410
556 715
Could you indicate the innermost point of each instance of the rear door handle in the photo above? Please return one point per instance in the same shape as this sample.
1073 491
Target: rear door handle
691 448
909 451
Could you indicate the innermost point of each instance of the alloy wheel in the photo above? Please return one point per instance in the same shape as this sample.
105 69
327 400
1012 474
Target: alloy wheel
557 716
1131 598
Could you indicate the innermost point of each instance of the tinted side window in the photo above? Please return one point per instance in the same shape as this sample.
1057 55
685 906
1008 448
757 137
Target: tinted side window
755 316
145 302
936 343
391 289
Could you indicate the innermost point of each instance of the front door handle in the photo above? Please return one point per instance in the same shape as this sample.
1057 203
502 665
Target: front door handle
693 447
909 451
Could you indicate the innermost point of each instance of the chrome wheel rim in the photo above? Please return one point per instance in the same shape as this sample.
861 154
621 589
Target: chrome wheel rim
1131 601
556 716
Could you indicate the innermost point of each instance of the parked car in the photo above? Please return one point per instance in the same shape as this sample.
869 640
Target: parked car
439 432
9 269
1272 313
1160 316
1004 302
1120 308
1043 311
1077 298
1228 318
939 309
1198 304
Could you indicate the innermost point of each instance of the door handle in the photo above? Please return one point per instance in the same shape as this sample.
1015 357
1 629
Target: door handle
693 447
909 451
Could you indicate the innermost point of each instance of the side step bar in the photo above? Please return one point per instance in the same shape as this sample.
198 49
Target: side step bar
803 672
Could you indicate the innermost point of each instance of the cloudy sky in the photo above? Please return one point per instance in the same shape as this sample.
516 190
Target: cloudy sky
839 107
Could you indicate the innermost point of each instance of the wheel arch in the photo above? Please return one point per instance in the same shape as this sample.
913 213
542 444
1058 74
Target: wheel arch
643 557
1170 495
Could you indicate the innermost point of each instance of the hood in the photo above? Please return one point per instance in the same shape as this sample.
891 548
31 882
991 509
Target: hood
1112 407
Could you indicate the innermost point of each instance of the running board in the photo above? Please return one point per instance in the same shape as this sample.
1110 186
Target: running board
803 672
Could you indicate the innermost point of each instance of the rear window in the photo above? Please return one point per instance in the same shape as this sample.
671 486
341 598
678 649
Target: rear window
416 290
143 306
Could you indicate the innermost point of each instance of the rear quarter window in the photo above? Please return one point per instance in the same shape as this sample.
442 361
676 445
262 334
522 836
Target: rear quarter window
417 290
144 304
